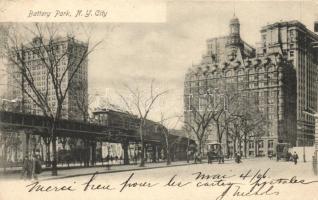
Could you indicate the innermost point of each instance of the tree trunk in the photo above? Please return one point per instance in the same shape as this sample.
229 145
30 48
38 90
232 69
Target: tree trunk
41 145
16 152
256 147
227 142
154 158
5 156
27 144
93 153
54 162
218 132
63 140
245 144
142 160
234 145
101 152
48 153
187 153
199 150
168 153
86 153
47 142
125 146
240 145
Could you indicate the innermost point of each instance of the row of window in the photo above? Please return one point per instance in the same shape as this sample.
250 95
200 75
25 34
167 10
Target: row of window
260 144
239 72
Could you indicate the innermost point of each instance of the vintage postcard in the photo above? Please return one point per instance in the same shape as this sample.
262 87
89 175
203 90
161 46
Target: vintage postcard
175 100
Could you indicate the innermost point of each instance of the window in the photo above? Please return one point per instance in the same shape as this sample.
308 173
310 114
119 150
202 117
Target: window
291 53
274 35
270 144
240 72
251 71
270 117
251 144
264 38
260 144
228 73
261 70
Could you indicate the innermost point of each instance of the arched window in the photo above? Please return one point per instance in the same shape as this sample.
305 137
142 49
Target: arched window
271 69
193 77
240 72
229 73
201 77
251 71
210 75
261 70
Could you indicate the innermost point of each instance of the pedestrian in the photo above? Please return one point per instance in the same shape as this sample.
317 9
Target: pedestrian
26 169
188 156
295 157
270 155
107 158
209 156
195 158
220 156
36 167
120 159
237 157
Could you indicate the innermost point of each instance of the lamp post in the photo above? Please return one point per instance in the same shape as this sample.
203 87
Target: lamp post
303 143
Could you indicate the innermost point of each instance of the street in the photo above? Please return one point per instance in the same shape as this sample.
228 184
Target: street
259 178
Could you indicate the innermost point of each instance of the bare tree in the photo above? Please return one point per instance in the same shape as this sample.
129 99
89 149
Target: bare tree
222 117
198 120
203 112
139 102
246 121
9 140
60 68
83 100
168 124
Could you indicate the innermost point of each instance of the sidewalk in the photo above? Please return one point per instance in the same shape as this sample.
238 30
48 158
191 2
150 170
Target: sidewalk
68 173
81 171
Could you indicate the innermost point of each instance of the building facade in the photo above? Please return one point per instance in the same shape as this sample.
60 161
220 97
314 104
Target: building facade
268 79
295 42
67 52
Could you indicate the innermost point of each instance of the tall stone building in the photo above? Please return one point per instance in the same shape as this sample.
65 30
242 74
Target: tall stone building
268 78
69 51
295 42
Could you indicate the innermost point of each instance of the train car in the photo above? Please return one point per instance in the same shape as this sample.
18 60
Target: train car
124 121
116 119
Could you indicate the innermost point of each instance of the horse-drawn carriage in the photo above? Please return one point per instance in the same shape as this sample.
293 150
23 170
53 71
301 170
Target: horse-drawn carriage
282 152
215 152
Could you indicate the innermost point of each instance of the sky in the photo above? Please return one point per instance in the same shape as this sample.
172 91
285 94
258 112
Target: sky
164 51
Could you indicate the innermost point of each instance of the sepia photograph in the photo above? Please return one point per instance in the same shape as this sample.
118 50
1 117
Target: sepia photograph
177 100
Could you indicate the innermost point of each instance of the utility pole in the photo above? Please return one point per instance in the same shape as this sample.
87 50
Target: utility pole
302 129
304 150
